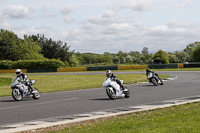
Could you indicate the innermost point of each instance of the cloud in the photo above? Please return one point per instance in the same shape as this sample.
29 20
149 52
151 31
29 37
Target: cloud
5 25
135 5
109 17
40 30
110 36
2 1
48 12
69 20
185 4
66 9
17 12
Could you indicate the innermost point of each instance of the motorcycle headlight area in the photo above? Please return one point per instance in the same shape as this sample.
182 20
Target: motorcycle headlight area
33 82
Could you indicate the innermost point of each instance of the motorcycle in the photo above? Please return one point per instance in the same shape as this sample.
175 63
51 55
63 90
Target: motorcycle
28 90
114 90
154 78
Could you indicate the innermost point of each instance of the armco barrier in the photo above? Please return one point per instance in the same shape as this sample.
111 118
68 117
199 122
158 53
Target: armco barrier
163 66
11 70
73 69
41 70
132 67
102 68
191 65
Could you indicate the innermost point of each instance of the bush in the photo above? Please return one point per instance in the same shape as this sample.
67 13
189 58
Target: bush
5 64
31 64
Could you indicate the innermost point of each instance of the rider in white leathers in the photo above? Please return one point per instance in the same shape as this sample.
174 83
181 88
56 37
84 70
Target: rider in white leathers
22 78
111 75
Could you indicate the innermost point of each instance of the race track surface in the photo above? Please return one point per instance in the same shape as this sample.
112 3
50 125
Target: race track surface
83 101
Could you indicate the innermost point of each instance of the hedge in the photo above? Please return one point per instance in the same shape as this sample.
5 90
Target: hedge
5 64
31 64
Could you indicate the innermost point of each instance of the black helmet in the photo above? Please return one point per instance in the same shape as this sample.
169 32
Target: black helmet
108 73
148 70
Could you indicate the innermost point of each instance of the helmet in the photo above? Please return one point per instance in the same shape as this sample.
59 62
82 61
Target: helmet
18 72
108 73
147 70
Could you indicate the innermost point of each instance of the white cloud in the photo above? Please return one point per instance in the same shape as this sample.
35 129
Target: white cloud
6 25
68 20
39 30
113 37
135 5
66 9
17 11
47 12
109 17
185 4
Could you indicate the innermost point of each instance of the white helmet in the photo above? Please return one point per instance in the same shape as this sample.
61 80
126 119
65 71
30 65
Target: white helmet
108 73
18 72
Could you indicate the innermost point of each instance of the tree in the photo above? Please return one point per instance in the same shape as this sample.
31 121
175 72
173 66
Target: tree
161 55
7 39
181 55
189 49
13 48
53 49
172 57
145 55
136 56
196 53
26 49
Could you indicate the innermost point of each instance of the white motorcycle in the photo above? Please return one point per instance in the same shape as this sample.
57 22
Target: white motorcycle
28 90
114 90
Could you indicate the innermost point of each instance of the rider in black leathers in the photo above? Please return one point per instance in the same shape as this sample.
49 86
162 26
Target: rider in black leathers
113 77
154 73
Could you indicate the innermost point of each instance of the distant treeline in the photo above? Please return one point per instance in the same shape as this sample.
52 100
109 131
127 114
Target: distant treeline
38 47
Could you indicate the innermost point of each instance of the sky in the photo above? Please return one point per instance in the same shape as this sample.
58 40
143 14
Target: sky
106 25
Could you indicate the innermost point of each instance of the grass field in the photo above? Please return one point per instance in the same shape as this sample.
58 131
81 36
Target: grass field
55 83
176 119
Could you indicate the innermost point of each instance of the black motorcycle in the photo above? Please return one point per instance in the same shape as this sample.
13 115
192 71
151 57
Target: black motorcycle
154 78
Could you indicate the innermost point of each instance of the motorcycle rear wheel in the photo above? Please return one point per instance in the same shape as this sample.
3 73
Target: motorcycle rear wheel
161 82
111 94
17 94
127 94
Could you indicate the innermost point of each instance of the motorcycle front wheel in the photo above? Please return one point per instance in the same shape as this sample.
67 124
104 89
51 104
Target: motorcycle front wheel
17 94
36 94
154 81
111 94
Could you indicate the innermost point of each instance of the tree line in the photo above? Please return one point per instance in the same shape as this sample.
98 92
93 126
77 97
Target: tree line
38 47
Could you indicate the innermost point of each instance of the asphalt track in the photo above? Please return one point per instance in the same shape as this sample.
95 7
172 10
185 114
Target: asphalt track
75 102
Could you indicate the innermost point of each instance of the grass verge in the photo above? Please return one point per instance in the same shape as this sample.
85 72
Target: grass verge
176 119
55 83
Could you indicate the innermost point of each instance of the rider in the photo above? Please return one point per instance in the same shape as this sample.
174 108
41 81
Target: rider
22 78
149 71
111 75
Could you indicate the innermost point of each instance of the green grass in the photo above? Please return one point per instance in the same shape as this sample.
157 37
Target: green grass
55 83
176 119
172 69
